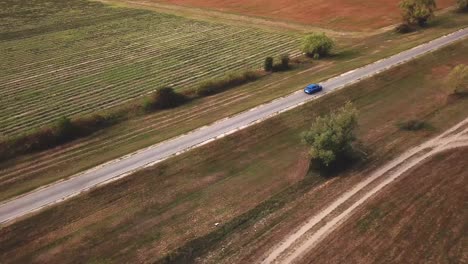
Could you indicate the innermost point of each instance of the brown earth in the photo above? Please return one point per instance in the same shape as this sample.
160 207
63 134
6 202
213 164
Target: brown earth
337 14
420 219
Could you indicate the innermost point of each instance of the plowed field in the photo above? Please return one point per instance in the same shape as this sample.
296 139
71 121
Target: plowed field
337 14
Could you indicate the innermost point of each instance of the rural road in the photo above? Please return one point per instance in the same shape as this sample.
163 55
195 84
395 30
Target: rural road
116 169
320 225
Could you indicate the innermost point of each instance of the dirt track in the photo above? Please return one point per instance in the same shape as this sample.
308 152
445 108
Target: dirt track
319 226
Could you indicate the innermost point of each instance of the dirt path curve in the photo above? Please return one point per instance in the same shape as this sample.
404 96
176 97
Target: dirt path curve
302 240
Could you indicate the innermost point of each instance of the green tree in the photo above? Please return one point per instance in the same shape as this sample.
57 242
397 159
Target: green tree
314 45
418 11
462 5
330 137
268 65
285 61
457 80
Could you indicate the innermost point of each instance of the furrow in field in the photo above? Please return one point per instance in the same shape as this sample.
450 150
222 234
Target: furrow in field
58 78
147 55
111 54
153 119
139 90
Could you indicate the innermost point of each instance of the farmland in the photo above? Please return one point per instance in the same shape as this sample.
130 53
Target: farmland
149 214
336 14
421 218
77 57
31 171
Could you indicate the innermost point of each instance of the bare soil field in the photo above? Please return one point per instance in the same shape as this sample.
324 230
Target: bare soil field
337 14
419 219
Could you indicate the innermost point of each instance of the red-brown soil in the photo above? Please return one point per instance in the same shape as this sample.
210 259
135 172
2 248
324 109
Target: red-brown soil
338 14
420 219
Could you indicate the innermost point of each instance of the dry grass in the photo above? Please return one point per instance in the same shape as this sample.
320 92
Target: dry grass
239 181
31 171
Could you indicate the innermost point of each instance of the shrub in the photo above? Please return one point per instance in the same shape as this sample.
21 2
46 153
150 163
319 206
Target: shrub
412 125
63 131
403 28
147 105
417 11
268 65
164 98
285 61
214 86
457 80
317 44
330 137
462 5
283 65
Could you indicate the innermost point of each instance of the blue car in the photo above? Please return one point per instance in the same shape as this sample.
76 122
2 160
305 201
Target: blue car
313 88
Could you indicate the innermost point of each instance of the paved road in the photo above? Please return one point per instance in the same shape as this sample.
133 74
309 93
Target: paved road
111 171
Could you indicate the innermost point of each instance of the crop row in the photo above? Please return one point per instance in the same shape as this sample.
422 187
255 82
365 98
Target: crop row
96 100
135 69
19 53
102 57
110 57
151 123
58 109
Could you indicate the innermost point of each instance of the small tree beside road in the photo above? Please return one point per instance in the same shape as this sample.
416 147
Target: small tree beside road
268 65
457 80
330 137
317 45
417 11
462 5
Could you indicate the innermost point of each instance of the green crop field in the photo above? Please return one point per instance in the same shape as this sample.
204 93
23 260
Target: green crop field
68 58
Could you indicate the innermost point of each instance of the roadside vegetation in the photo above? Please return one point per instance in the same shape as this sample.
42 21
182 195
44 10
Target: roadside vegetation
416 13
270 65
63 131
190 206
317 45
330 138
218 85
457 80
462 5
27 172
66 129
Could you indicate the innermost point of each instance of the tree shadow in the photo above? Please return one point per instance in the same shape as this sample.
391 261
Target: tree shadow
352 160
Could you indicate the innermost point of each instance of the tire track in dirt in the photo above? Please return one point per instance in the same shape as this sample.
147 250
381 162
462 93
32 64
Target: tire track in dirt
300 242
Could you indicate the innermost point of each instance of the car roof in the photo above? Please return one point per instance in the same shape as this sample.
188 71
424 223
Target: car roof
313 85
